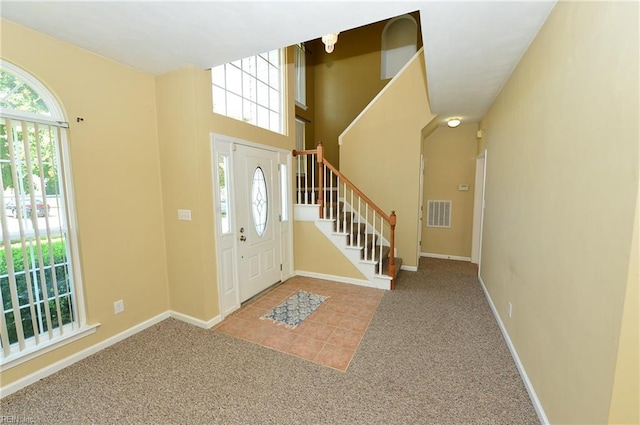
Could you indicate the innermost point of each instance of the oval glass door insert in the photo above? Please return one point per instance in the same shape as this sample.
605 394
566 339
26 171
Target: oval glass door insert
259 201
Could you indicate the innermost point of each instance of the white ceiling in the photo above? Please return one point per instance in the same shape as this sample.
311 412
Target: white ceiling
471 47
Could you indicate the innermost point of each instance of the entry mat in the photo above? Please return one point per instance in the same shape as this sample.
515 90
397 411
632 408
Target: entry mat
292 311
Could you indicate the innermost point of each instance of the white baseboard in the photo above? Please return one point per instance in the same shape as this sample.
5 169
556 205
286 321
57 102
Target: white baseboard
523 373
444 256
68 361
196 322
341 279
409 268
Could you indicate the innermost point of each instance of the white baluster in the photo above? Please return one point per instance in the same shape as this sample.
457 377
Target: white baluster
351 209
344 210
331 194
306 178
325 189
381 233
359 221
366 220
313 178
298 193
373 243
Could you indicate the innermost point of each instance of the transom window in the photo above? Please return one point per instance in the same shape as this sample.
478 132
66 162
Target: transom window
250 90
39 279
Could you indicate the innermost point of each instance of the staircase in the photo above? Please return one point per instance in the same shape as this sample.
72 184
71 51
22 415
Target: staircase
349 219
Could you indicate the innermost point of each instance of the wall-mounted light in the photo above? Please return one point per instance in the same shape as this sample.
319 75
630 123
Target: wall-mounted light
453 122
329 41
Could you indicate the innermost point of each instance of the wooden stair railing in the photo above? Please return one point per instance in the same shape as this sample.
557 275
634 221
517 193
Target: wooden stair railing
357 223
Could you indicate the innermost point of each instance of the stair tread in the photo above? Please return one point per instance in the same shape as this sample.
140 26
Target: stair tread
397 266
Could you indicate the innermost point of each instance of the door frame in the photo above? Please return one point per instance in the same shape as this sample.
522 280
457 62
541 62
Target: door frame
221 143
478 209
420 208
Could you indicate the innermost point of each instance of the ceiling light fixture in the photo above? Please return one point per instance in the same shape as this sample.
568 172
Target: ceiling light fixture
329 40
453 122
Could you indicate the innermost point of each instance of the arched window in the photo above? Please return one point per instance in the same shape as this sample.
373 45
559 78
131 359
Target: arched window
39 276
24 96
399 44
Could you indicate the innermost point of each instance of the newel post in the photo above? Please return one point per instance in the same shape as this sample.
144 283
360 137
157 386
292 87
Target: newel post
392 243
320 158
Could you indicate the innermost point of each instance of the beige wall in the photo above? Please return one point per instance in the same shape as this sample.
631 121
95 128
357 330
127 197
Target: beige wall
186 123
180 149
625 397
450 160
562 183
116 174
308 114
345 82
381 154
315 253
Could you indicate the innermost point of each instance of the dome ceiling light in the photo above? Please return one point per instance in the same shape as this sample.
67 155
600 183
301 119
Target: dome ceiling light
453 122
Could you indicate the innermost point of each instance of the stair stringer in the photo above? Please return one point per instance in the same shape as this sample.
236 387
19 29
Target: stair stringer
367 268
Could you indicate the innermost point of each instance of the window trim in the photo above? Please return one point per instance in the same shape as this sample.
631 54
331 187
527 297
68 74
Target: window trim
76 329
57 113
33 351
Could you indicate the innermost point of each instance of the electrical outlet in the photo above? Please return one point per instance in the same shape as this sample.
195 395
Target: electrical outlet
509 309
118 306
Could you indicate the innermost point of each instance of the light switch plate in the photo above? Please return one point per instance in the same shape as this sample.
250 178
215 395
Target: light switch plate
184 215
118 306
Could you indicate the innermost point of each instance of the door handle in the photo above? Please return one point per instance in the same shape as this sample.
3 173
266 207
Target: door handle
243 238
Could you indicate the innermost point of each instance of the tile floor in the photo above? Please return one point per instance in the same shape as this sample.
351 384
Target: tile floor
329 336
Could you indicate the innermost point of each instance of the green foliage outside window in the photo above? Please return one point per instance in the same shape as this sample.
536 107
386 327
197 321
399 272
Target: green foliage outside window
62 280
16 95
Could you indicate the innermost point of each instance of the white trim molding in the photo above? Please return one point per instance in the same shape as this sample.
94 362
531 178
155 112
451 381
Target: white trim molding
195 322
523 373
68 361
334 278
45 347
409 268
444 256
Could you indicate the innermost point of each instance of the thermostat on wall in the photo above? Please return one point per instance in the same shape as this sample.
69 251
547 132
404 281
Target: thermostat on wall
463 187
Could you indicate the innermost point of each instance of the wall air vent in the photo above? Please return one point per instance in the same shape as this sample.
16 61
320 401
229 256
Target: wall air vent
438 213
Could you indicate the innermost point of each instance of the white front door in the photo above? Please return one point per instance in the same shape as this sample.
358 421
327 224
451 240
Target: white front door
257 220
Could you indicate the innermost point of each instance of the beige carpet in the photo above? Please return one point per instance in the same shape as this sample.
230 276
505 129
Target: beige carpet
433 354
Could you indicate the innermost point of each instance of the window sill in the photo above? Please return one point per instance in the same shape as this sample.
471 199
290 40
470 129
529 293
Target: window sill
32 352
301 106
